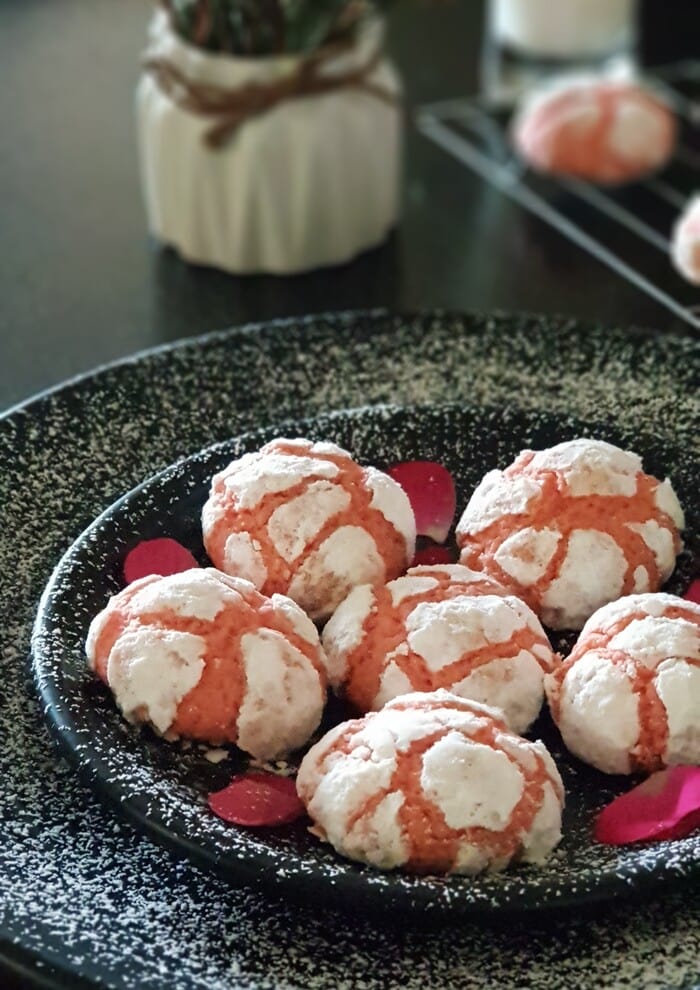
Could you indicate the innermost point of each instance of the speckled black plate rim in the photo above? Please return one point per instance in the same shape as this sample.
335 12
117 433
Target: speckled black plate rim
282 323
339 317
421 897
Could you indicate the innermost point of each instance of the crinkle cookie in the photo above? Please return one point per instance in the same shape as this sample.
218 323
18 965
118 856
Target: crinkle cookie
598 128
439 627
685 242
433 783
206 656
627 699
305 520
572 527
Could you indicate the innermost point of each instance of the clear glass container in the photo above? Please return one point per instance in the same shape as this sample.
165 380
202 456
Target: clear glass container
528 40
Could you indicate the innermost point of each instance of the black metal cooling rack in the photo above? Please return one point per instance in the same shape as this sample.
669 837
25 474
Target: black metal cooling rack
615 225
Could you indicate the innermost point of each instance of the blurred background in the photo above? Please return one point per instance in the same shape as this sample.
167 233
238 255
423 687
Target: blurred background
82 283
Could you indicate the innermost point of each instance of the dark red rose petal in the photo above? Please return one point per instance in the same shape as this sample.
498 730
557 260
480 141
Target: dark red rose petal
434 554
431 491
258 799
162 556
693 592
665 806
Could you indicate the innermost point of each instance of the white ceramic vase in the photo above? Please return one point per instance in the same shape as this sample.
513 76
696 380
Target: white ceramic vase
311 182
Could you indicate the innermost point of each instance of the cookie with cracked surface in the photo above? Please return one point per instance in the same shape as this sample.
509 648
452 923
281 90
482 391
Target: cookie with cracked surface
599 128
572 527
440 626
433 783
305 520
205 656
627 699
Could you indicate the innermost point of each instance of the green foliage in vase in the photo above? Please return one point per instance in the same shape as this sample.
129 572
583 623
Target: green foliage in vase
266 27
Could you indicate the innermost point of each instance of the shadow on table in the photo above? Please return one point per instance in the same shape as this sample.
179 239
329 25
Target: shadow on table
189 299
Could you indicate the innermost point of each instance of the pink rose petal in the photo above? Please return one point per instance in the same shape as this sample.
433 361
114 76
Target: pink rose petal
161 556
693 592
258 799
665 806
431 490
433 554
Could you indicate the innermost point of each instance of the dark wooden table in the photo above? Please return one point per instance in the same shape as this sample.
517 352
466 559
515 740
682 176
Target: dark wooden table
81 283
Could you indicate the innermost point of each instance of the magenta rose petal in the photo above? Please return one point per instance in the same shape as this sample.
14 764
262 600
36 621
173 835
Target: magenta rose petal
435 554
665 806
431 491
257 799
693 592
162 556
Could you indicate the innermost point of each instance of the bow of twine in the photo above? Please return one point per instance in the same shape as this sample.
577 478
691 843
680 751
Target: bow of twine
228 108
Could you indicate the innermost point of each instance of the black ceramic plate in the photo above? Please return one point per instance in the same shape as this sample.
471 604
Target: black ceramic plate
164 787
85 893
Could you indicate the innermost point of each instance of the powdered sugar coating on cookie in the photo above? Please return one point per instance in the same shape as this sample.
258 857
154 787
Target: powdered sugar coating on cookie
433 783
305 520
439 627
205 656
628 697
571 528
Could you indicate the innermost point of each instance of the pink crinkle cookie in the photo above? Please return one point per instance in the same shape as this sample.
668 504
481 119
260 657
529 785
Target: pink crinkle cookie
433 783
205 656
439 627
601 129
572 527
305 520
685 242
627 699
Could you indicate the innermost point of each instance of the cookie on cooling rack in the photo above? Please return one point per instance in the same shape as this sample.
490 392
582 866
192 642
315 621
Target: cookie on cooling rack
599 128
685 242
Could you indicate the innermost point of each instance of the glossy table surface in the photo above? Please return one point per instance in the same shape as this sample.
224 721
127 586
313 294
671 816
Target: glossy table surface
82 284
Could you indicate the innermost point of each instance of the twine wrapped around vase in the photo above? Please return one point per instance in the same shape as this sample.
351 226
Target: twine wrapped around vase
230 107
